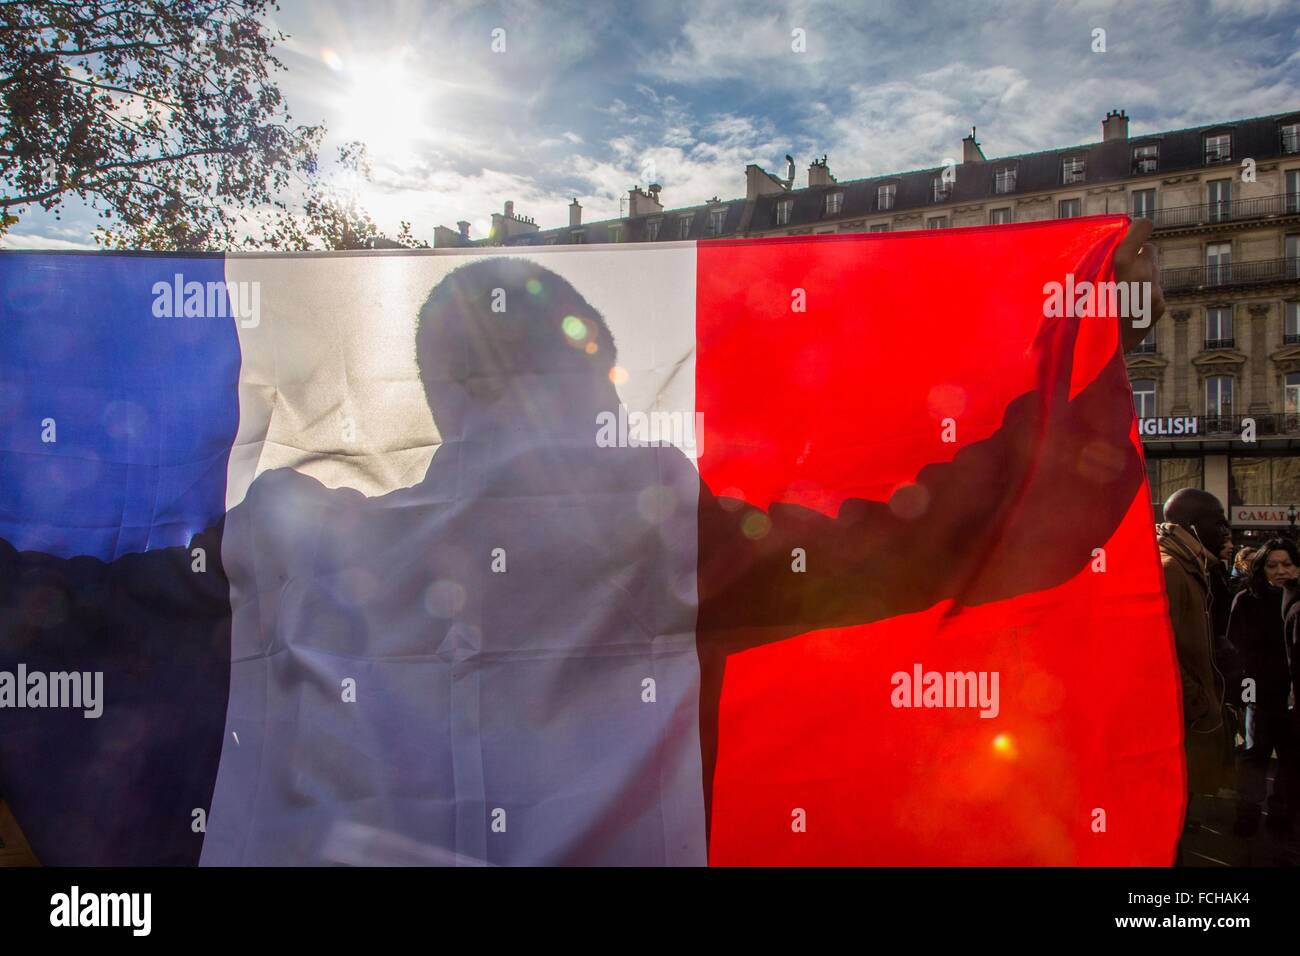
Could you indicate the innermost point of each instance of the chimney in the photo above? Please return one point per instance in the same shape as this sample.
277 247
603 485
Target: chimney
463 226
819 173
970 149
444 238
789 171
1114 126
510 209
759 182
643 203
575 212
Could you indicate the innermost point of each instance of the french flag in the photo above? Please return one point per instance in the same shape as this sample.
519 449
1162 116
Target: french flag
817 550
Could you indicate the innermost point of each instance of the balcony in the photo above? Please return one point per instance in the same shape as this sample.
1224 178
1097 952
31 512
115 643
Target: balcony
1146 348
1191 279
1237 210
1212 344
1291 338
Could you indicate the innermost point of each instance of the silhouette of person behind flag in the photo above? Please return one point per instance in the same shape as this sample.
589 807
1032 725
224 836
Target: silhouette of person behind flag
520 658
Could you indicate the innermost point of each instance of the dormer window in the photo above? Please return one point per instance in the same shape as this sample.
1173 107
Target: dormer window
1146 159
684 227
941 189
885 196
1290 133
717 217
834 203
1218 148
1004 180
652 229
783 212
1072 171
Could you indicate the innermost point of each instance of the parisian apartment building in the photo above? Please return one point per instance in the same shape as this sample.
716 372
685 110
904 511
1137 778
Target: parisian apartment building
1216 386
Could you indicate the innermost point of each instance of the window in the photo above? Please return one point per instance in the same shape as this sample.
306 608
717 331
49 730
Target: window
1072 171
1004 180
1291 323
684 226
1218 148
1292 249
1291 394
1000 217
615 233
1219 194
1146 159
1144 204
1218 397
880 227
1148 344
1218 263
1291 138
885 196
1167 475
717 218
942 189
937 222
1218 327
1264 481
1144 397
834 203
575 237
652 229
1293 190
1069 208
783 212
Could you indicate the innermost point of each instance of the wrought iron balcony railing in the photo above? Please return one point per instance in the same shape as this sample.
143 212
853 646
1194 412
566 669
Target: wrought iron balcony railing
1209 213
1212 344
1256 272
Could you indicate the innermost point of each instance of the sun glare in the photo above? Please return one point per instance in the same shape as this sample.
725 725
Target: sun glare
383 105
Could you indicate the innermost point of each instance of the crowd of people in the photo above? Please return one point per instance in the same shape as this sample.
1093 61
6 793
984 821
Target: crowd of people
1235 621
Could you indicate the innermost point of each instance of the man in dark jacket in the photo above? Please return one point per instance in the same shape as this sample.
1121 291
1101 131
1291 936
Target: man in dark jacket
1190 543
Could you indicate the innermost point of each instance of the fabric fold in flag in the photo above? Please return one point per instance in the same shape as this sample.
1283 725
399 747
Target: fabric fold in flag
814 551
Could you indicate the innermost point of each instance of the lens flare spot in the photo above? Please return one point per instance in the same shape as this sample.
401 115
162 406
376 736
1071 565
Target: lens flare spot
755 525
909 501
533 286
574 328
591 348
618 375
946 401
444 598
1004 747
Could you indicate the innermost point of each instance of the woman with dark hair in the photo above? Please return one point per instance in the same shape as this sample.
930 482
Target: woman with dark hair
1256 629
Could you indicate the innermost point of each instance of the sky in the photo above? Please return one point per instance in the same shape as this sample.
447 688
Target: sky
464 105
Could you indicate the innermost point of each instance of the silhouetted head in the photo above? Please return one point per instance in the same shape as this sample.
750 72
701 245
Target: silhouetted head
1276 561
510 339
1200 513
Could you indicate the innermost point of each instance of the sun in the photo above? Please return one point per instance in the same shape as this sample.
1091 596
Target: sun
384 105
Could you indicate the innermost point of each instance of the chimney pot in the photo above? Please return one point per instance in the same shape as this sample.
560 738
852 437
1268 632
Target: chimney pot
575 212
463 226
